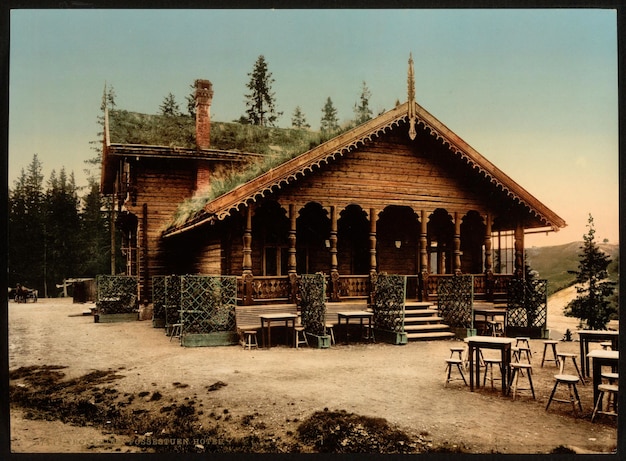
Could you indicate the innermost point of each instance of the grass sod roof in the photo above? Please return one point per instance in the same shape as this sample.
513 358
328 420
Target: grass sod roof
287 169
275 145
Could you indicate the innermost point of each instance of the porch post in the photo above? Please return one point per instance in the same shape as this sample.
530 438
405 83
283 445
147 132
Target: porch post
519 250
334 264
291 270
489 282
373 218
292 239
488 256
423 291
247 258
457 243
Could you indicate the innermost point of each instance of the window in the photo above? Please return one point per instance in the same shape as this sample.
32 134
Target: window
503 249
275 260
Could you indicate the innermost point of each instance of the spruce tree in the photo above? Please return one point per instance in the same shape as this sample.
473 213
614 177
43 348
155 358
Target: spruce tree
298 120
169 107
261 102
329 122
592 305
362 111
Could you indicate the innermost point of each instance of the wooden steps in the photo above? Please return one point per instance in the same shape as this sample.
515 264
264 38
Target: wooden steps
422 322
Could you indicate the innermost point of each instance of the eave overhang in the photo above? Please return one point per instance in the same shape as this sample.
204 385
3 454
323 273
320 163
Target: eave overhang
306 163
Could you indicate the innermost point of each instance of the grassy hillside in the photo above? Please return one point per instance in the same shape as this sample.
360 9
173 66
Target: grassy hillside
552 263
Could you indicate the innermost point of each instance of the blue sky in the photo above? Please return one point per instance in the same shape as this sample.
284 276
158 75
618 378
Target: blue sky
534 91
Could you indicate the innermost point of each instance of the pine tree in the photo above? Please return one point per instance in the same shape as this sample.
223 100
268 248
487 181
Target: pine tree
299 120
261 102
592 304
95 240
26 228
169 107
329 121
362 111
62 249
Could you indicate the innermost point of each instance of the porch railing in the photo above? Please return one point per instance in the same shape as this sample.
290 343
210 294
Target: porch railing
278 289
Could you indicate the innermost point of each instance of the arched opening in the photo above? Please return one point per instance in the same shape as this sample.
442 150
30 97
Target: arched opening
397 237
440 235
472 240
353 241
270 232
312 234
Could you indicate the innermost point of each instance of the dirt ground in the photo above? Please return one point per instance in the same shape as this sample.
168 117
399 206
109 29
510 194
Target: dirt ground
256 400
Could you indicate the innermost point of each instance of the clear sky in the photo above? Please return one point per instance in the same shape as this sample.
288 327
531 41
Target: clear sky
534 91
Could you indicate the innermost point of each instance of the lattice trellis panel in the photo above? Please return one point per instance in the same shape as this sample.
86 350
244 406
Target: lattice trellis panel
455 296
313 303
207 304
388 302
171 299
158 297
116 294
528 303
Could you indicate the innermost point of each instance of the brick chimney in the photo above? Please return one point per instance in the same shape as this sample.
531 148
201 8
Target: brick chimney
204 95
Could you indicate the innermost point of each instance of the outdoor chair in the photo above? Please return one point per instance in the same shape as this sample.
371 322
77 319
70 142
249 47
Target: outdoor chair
611 377
250 339
489 364
571 382
606 345
176 331
611 400
518 369
300 336
456 363
523 343
563 356
552 344
330 329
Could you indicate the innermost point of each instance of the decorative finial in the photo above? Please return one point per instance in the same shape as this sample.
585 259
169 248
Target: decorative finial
411 100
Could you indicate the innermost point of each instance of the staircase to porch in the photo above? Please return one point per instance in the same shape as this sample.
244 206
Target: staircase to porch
422 322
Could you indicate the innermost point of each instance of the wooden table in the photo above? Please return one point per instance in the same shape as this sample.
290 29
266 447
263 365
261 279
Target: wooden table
601 359
594 336
275 317
490 312
476 343
361 315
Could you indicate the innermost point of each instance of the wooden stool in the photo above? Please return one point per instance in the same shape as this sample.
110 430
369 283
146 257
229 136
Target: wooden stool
176 330
457 350
523 342
368 333
571 381
331 331
495 328
489 363
300 336
610 377
606 345
249 339
449 364
611 401
522 350
564 355
553 344
517 370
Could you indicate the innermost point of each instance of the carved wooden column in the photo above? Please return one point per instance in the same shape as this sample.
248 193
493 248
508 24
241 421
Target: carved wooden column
519 251
334 264
489 280
457 243
247 258
291 263
423 291
373 219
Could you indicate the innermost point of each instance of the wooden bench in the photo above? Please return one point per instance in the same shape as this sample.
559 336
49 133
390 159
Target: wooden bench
247 317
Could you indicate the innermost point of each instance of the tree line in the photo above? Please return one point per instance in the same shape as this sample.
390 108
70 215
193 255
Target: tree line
261 105
53 233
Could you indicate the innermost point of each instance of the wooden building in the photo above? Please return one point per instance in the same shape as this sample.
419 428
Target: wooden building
400 194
